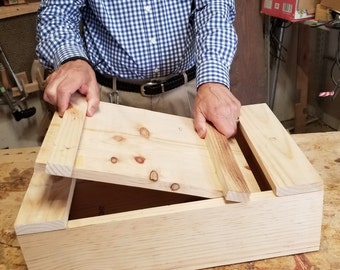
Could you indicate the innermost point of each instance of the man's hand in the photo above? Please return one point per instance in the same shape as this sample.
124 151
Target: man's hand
216 104
70 77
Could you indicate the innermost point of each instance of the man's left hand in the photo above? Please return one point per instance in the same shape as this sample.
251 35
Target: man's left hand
216 104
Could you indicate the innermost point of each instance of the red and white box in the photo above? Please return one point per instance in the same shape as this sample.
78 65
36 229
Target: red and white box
290 10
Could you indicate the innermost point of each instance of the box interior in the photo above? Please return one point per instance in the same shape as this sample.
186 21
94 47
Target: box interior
93 198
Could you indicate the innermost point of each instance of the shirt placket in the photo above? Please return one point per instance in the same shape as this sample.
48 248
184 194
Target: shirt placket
151 30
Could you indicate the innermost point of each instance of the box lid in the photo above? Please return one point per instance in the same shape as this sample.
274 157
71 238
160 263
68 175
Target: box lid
136 147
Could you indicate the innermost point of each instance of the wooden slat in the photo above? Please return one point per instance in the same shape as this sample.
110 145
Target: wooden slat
141 148
64 153
285 166
233 172
46 204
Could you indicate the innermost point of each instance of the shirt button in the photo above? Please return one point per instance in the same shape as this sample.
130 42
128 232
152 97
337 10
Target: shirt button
147 9
153 40
156 71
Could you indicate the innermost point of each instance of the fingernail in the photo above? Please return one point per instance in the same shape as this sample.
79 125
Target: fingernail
200 133
90 111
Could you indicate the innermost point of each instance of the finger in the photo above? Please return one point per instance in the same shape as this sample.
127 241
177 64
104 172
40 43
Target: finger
226 125
63 102
50 91
49 98
92 101
200 124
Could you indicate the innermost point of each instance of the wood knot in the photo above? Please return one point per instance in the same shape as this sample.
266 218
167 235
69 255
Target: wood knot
153 176
114 160
144 132
140 159
118 138
175 187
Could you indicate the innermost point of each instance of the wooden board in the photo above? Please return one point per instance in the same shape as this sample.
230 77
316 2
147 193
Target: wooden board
190 235
322 149
236 178
63 156
285 166
50 199
141 148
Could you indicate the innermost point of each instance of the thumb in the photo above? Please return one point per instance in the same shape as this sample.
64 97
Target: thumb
92 103
200 125
92 97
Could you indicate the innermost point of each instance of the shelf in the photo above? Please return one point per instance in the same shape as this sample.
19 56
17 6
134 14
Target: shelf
17 10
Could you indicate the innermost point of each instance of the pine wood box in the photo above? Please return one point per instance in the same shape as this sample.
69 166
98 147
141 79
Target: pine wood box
144 192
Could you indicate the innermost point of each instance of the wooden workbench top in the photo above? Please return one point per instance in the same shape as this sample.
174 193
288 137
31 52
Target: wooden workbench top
322 149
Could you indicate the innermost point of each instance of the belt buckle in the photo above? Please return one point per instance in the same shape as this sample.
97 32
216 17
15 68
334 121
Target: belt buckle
151 83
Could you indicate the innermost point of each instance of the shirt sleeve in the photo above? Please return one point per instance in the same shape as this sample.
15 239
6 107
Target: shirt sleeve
216 40
58 32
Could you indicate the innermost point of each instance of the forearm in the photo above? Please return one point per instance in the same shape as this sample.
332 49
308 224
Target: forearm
58 32
216 40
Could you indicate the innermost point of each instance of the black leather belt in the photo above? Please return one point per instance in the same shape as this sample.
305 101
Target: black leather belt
153 87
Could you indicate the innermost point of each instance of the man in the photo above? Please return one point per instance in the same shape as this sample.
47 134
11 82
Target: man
144 54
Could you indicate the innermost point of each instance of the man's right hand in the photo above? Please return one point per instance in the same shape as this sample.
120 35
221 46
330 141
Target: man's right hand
70 77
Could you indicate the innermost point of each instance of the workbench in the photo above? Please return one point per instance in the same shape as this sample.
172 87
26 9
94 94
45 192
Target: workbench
322 149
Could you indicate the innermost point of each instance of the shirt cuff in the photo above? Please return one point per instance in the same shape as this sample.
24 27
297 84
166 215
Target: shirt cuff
212 71
64 53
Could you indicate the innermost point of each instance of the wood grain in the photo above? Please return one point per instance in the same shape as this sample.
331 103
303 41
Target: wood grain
233 172
61 160
141 148
193 235
50 200
322 150
285 166
124 145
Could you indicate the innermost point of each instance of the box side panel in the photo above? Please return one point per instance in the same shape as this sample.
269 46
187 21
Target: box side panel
46 204
196 235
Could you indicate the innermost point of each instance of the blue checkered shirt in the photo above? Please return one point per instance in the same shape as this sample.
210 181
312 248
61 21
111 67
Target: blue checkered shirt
140 39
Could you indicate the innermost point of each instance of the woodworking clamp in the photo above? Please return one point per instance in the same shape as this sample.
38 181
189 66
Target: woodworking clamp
17 110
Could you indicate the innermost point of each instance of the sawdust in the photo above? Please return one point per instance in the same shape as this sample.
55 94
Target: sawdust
16 181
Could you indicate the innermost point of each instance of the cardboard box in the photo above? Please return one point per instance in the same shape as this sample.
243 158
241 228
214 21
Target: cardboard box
333 4
291 10
322 13
121 216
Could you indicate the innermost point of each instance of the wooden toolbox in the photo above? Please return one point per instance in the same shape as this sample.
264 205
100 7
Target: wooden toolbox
134 189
